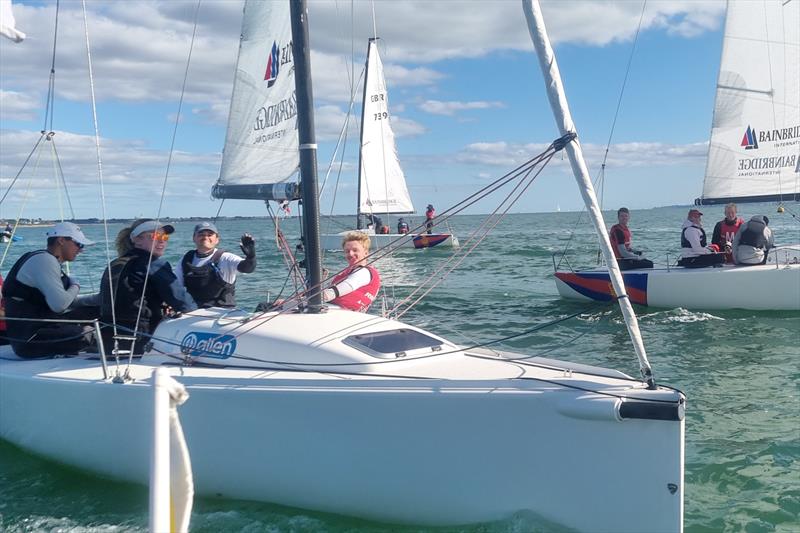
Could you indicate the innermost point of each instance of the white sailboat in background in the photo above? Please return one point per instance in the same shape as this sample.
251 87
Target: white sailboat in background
382 186
754 156
360 415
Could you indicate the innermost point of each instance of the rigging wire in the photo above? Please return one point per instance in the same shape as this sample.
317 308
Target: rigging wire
163 192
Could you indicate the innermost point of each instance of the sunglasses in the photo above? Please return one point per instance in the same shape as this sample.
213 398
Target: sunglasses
156 236
76 243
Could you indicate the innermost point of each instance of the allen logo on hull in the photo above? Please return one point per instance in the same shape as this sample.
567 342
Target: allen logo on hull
199 343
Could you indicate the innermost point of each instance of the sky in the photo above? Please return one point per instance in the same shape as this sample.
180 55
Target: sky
465 91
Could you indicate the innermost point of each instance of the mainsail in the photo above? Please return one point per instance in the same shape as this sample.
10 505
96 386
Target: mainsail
261 145
754 153
382 184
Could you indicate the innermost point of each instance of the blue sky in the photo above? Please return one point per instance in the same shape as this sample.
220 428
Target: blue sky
465 92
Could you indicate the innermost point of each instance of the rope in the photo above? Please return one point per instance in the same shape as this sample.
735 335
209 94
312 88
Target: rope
164 184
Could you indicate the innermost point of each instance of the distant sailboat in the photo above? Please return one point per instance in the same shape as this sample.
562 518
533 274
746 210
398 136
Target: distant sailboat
382 186
754 156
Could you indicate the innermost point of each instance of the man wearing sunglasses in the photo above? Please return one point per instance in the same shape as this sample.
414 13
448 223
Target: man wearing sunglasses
38 288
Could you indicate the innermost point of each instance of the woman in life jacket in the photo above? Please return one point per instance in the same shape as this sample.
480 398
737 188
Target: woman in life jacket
356 287
140 268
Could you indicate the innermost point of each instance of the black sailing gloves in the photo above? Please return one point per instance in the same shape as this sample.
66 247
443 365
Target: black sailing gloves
248 246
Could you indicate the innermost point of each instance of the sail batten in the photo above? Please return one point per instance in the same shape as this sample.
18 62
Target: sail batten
382 183
261 144
754 151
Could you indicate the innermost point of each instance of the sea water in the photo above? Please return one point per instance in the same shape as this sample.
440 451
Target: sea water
739 369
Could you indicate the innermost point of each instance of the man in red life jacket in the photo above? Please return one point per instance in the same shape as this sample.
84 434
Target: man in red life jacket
356 287
620 236
726 230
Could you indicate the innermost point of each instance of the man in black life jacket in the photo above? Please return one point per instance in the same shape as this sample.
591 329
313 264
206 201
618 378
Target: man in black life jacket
208 273
37 287
752 242
696 251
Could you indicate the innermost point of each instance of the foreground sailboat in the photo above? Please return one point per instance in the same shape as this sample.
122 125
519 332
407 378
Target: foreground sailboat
360 415
382 186
754 156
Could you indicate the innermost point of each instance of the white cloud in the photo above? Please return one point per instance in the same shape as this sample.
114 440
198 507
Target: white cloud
19 106
437 107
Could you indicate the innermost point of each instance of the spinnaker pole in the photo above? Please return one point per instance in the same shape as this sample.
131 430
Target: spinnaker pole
558 103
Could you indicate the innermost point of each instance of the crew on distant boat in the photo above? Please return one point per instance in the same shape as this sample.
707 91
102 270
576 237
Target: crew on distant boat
620 236
208 273
725 230
430 214
752 243
402 226
357 286
135 272
374 222
695 251
37 287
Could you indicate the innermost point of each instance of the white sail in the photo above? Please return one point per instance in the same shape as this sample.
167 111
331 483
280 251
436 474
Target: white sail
382 184
261 145
754 153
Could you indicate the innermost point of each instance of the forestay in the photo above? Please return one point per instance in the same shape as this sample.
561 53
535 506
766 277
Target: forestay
261 145
755 137
382 184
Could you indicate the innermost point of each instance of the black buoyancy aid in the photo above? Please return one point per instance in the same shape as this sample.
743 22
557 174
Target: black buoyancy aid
205 283
685 242
753 237
24 301
128 284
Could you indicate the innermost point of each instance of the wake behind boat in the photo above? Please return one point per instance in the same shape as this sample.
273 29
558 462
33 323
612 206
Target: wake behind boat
753 156
345 412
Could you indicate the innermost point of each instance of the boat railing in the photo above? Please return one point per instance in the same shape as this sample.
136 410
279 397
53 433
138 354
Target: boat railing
95 324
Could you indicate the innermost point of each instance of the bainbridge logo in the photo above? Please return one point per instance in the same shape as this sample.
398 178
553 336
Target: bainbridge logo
749 140
198 343
272 65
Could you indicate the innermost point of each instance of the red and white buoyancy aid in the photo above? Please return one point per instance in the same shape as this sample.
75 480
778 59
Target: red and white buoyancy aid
361 298
613 233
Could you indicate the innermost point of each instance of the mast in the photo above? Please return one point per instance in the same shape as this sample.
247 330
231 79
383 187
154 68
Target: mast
558 103
361 135
308 151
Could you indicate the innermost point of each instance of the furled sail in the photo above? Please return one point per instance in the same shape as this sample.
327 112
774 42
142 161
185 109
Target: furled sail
754 153
261 146
382 184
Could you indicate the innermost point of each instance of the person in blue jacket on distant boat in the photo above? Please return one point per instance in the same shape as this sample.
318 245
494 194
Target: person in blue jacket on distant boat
402 226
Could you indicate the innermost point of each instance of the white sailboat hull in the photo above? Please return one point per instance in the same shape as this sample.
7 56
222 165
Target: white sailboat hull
428 447
774 286
416 241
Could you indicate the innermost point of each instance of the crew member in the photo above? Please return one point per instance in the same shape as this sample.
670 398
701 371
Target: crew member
620 236
144 286
695 252
37 287
402 226
356 287
430 214
208 273
752 242
725 230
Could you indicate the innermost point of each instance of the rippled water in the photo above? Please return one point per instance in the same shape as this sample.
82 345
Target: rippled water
739 369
